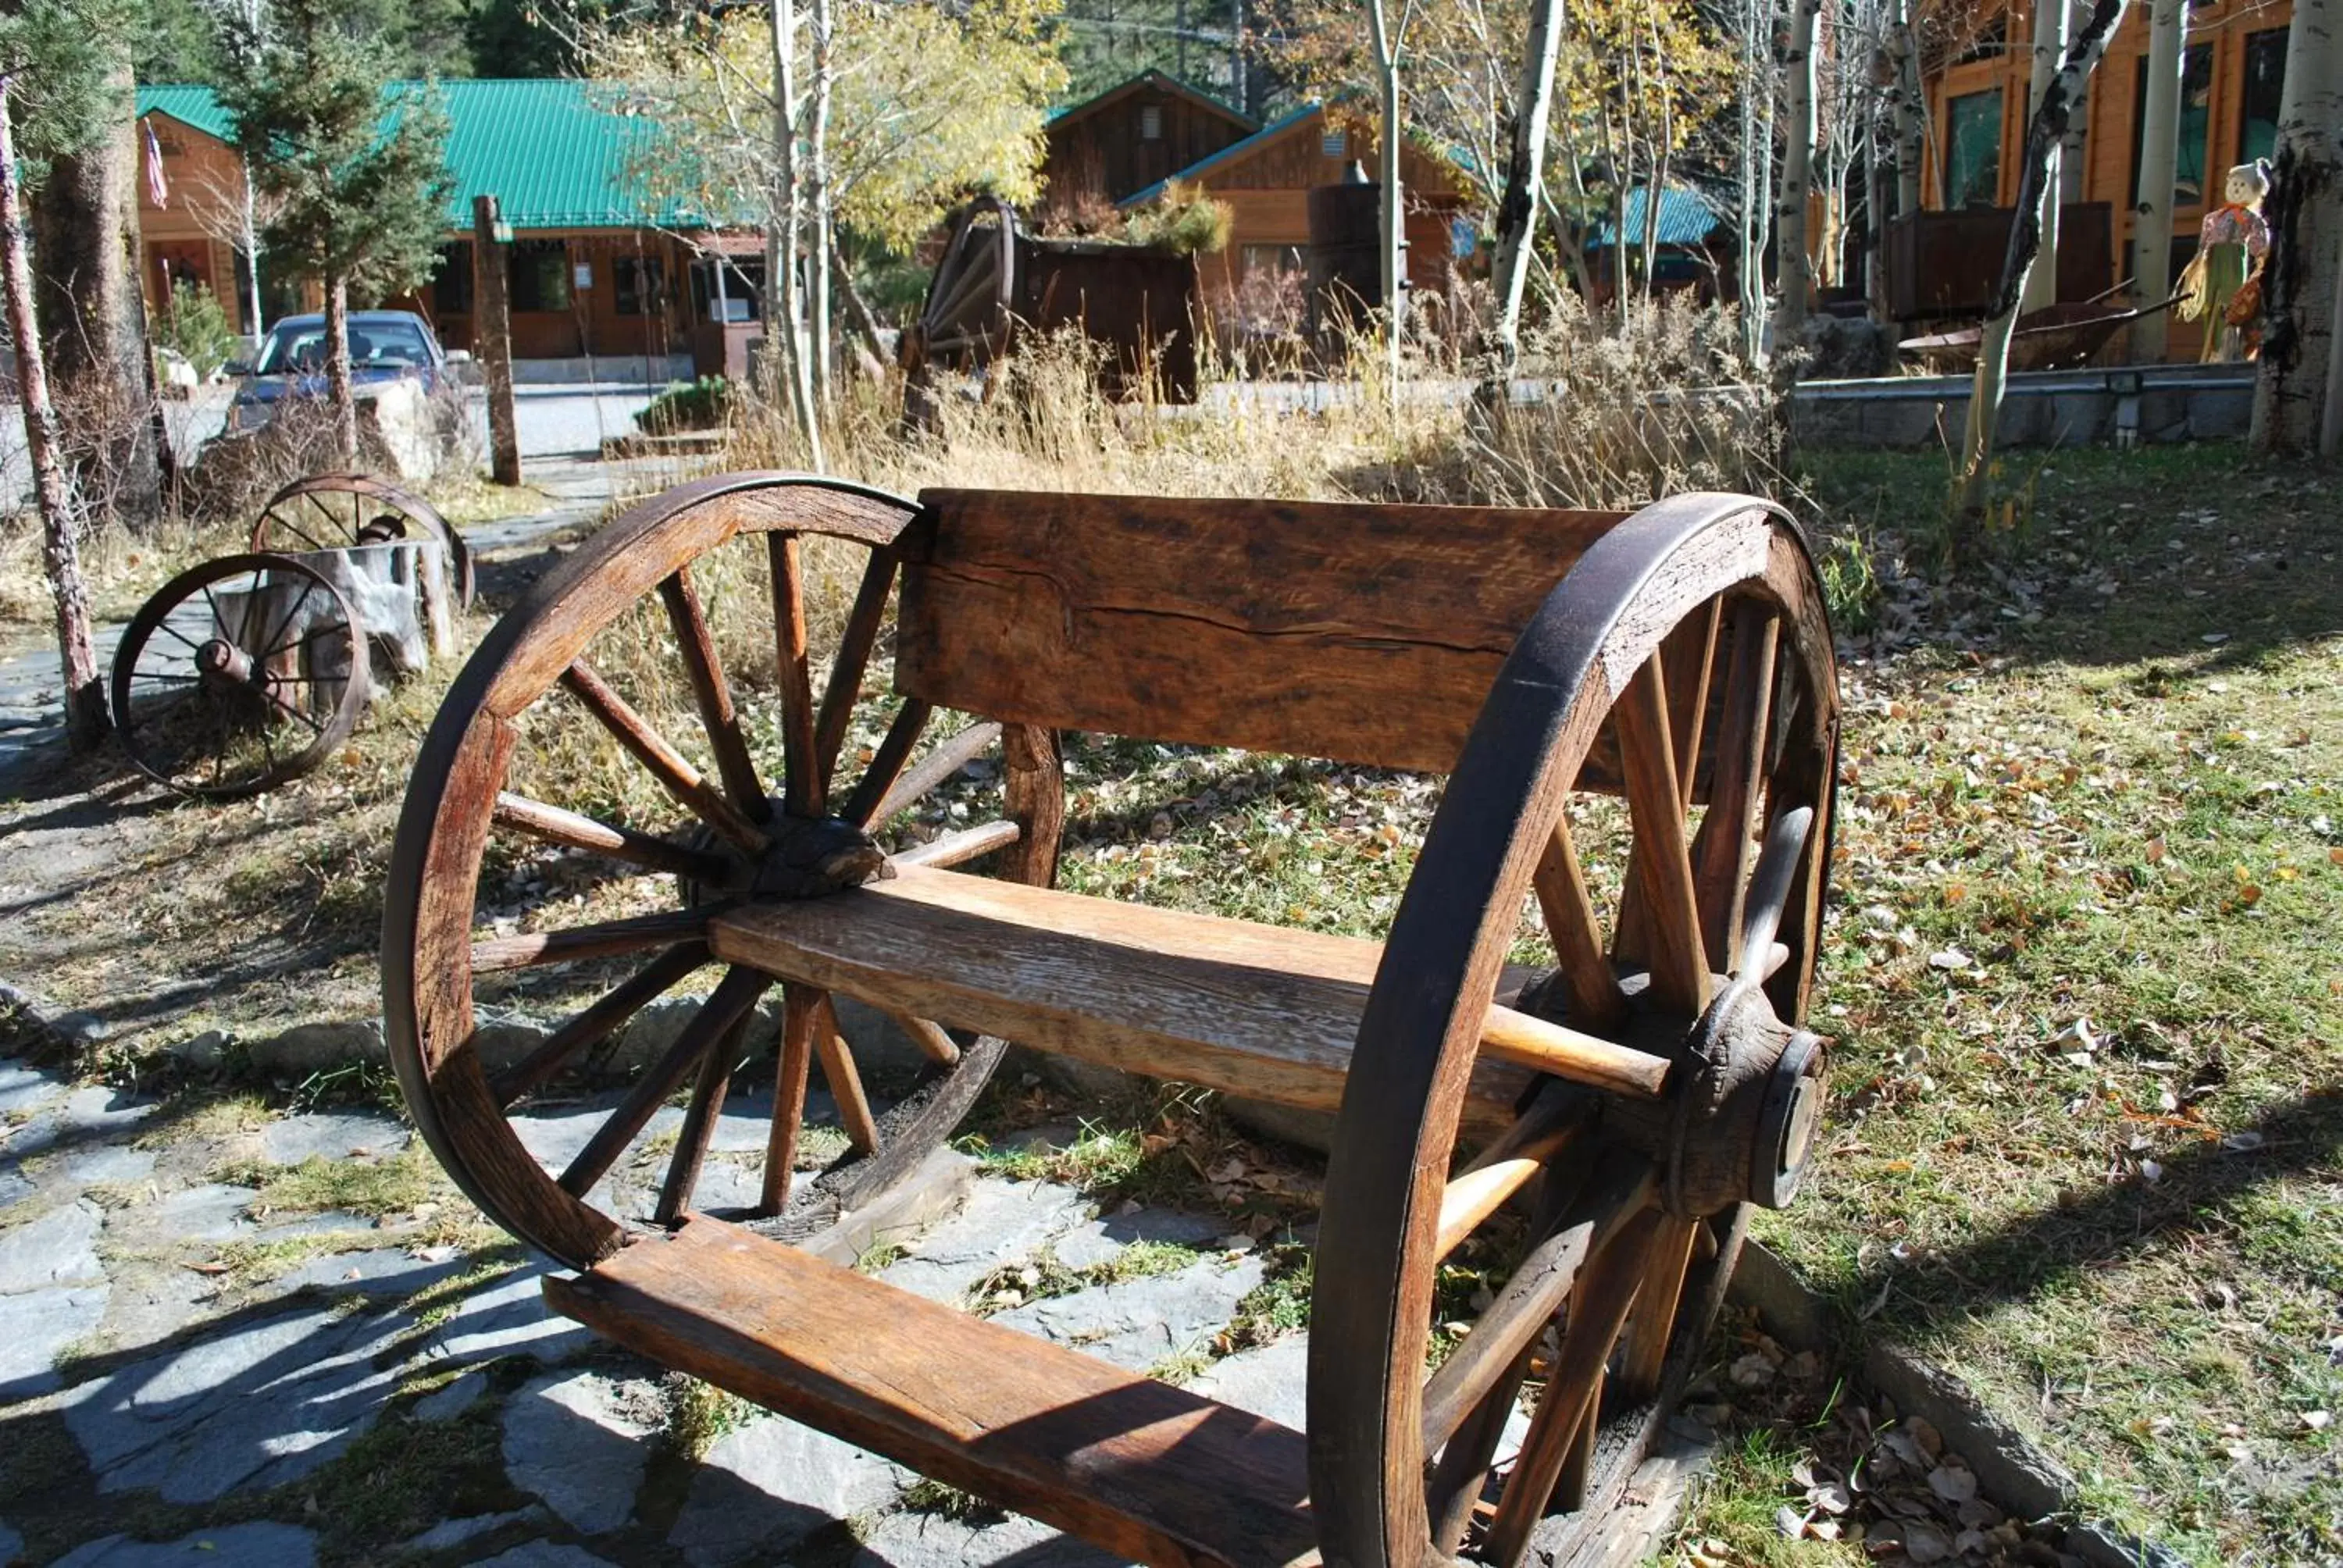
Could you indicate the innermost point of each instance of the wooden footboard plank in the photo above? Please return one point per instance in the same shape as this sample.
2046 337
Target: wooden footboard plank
1137 1467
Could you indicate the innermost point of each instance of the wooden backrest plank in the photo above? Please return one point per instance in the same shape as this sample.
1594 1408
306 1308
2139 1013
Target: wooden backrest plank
1356 632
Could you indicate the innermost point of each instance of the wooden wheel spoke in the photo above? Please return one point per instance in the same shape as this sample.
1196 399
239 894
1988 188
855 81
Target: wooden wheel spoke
935 1042
935 768
603 939
699 1128
1599 1303
1771 885
704 1032
600 1020
1542 1132
1662 859
716 715
1578 1462
845 685
1592 997
800 1011
575 831
661 759
1644 1349
803 789
887 763
837 1070
1720 850
1532 1297
956 849
1689 656
1458 1479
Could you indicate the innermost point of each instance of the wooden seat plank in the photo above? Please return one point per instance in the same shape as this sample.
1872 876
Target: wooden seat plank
1139 1468
1253 1009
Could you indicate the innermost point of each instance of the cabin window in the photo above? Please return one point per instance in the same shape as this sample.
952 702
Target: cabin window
451 284
540 275
641 285
1150 122
2195 124
1335 145
2257 105
1973 150
1271 258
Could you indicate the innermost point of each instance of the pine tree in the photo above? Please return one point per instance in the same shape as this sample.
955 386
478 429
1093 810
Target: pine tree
357 175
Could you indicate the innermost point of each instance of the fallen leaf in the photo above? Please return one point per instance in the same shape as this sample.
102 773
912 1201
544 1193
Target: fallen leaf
206 1267
2243 1142
1952 1483
1949 958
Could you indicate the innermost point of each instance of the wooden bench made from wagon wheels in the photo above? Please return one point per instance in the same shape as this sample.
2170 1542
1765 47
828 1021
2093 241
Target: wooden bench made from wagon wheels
1626 1097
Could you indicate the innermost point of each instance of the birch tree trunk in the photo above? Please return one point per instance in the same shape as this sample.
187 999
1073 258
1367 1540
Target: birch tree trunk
1756 170
825 237
1524 177
783 309
2049 45
1793 264
340 397
1911 110
2293 396
2160 162
1389 39
2037 170
85 694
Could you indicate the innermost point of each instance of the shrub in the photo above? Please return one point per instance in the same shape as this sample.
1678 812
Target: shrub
196 329
706 404
1185 221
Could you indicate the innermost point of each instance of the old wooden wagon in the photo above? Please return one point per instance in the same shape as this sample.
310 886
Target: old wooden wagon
1622 1090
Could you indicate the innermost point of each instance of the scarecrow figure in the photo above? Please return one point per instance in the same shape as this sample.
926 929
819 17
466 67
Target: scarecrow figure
2222 284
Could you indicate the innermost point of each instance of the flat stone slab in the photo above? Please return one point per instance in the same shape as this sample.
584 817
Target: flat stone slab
575 1441
1099 1240
543 1555
1271 1380
60 1248
1001 1222
35 1325
79 1118
909 1539
24 1088
454 1400
256 1545
449 1534
1139 1323
112 1163
770 1484
14 1190
506 1317
387 1272
257 1406
338 1135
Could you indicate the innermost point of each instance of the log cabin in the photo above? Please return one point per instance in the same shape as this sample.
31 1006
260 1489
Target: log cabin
605 279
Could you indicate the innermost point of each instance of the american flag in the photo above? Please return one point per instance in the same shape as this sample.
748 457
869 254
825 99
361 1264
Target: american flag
157 190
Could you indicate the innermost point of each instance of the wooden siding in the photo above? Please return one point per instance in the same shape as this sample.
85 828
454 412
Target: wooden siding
1098 153
2111 137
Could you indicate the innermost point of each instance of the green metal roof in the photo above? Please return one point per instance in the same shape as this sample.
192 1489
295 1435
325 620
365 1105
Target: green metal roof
1686 219
554 151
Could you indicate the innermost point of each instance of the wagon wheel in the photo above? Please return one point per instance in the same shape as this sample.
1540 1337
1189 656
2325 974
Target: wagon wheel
336 511
238 675
1695 634
676 641
964 322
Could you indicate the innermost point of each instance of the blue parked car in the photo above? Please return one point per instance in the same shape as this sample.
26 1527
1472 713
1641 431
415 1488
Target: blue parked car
384 345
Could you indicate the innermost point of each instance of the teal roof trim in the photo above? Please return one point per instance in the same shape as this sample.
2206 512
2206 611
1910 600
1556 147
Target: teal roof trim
1234 150
1686 219
556 151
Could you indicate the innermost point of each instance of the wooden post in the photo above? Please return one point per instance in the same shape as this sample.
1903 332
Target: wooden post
492 338
2159 156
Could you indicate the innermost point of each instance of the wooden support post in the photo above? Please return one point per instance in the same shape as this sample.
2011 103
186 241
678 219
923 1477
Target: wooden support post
492 338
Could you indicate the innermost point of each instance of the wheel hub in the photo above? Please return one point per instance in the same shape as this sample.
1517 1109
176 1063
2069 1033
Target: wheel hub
804 858
222 662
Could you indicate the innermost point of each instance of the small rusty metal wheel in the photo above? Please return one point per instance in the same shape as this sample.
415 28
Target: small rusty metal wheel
652 711
238 675
1691 645
335 511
